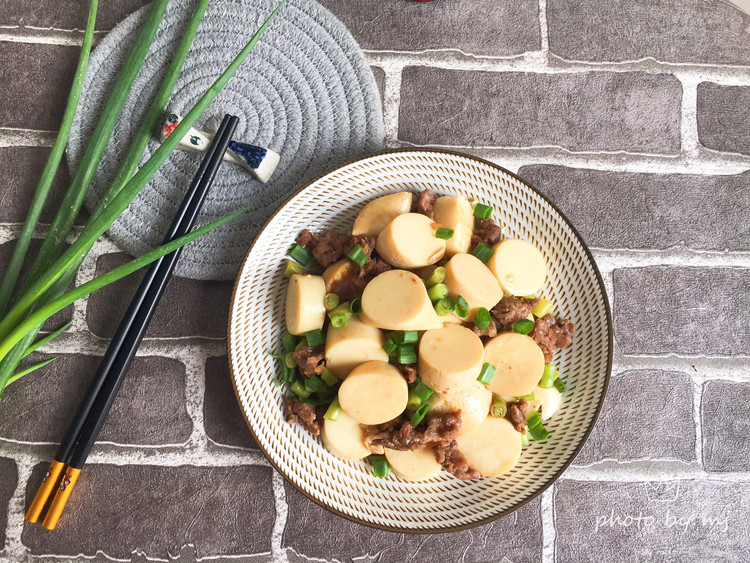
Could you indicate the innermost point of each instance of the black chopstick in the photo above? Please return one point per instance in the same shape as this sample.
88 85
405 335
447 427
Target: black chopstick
92 413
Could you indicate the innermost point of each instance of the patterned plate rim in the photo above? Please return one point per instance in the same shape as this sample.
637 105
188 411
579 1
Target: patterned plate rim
551 480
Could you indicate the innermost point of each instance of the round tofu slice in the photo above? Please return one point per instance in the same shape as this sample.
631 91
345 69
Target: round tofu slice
492 448
413 465
305 310
450 358
398 300
373 393
376 215
337 272
409 241
518 266
519 362
351 345
455 212
466 275
344 437
473 402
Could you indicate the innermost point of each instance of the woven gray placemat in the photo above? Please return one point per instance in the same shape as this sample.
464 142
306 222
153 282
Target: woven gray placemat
306 92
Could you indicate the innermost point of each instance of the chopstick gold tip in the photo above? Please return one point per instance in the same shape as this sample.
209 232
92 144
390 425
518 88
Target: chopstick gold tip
44 492
61 497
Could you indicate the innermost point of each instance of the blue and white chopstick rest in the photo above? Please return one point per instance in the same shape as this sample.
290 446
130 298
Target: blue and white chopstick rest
259 161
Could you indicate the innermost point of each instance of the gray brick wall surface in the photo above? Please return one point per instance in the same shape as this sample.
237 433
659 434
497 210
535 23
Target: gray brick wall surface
630 115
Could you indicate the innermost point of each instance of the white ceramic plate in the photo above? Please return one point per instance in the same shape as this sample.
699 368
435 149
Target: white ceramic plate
443 503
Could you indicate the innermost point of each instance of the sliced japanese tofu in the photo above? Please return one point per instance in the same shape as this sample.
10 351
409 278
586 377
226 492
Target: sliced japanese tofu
547 401
344 437
409 241
413 465
473 402
455 212
519 362
466 275
337 272
450 358
305 309
518 266
398 300
373 393
374 216
492 448
351 345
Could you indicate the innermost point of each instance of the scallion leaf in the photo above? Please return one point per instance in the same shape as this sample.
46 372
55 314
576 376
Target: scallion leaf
299 389
487 374
482 318
422 390
536 429
462 307
407 354
410 337
314 384
300 254
314 337
419 414
524 326
560 385
358 256
289 342
380 466
483 252
445 234
548 376
482 211
390 347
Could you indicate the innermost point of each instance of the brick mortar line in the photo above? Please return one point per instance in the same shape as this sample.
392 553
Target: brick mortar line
697 389
699 369
610 259
544 30
644 471
282 511
12 137
47 36
689 141
16 512
549 532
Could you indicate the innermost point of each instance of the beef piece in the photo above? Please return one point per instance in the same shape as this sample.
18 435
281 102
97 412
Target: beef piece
551 334
306 415
326 248
409 371
403 436
487 232
448 455
310 359
511 309
490 331
367 242
517 415
350 287
376 266
425 202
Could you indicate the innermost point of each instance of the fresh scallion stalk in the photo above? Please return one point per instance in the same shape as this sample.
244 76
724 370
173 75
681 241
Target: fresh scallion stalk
548 376
483 252
437 276
419 414
498 408
437 292
487 374
482 211
331 301
524 326
334 411
462 307
358 256
482 318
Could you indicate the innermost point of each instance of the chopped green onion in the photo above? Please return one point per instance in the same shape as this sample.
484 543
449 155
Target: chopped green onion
314 384
542 308
289 374
299 389
437 292
483 252
444 307
422 390
482 318
487 373
414 401
293 268
334 411
390 347
529 397
300 254
357 255
314 337
525 438
340 315
559 384
338 321
437 276
536 429
499 407
524 326
419 414
548 376
330 301
289 360
462 307
407 354
444 234
380 466
397 337
289 341
355 306
482 211
410 337
329 378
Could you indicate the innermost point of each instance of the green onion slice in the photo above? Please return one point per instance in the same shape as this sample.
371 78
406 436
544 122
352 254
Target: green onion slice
483 252
380 466
289 341
329 378
314 337
444 234
314 384
414 401
444 307
437 292
338 321
419 414
334 411
293 268
482 211
355 306
482 318
524 326
298 388
422 390
529 397
289 360
536 429
357 255
390 347
548 376
407 354
331 301
498 408
462 307
289 374
525 438
542 308
410 337
300 254
559 384
487 373
437 276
